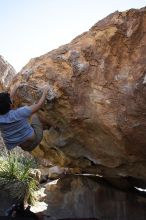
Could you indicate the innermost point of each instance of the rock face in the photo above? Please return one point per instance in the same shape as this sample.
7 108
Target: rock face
7 73
96 106
83 197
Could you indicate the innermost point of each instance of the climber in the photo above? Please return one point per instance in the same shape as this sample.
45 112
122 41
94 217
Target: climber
14 126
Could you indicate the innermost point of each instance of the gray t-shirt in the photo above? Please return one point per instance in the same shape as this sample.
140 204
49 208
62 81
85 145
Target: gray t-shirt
14 126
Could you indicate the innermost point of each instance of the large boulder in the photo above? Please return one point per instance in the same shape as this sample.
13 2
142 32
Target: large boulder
95 111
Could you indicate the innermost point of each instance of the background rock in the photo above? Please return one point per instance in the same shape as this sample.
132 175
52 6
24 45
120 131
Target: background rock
7 73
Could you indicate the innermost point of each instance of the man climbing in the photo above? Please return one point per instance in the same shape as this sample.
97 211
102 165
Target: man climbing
14 126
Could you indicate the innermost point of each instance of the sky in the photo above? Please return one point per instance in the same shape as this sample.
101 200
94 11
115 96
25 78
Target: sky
31 28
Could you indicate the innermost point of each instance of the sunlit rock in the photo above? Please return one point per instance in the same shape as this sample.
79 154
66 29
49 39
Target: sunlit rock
95 112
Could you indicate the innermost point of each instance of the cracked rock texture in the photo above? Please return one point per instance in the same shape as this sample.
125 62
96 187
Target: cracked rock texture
95 112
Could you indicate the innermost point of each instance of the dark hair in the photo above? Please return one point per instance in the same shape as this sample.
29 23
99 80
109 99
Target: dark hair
5 103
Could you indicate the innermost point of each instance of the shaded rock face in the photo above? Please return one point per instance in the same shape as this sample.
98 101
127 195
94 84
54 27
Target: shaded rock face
83 197
96 105
7 201
7 73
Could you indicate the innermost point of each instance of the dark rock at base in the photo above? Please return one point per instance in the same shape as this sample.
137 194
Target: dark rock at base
81 197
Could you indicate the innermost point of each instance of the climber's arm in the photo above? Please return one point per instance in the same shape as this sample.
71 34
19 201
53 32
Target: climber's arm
35 107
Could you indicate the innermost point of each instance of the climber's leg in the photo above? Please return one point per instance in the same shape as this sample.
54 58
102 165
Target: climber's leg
38 130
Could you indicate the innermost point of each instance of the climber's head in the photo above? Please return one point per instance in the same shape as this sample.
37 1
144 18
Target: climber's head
5 103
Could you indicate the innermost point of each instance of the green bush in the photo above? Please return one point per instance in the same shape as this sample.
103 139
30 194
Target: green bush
15 177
